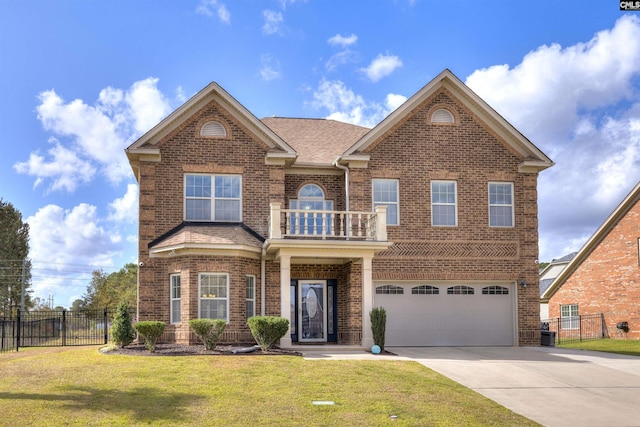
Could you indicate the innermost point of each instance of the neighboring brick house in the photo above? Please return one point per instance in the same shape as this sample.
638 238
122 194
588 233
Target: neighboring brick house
548 275
431 214
604 276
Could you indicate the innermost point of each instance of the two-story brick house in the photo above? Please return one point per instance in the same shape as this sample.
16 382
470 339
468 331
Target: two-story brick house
431 214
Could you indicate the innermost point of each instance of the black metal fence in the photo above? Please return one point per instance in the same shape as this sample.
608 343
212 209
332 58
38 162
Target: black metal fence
56 328
577 328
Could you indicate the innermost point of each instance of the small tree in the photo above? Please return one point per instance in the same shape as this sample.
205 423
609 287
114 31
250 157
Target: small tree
267 330
151 331
378 325
208 330
122 333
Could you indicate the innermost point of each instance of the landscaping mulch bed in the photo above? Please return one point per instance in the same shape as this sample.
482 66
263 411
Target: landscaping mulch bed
195 350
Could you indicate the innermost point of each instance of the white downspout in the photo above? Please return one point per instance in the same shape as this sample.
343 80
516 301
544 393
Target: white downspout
263 279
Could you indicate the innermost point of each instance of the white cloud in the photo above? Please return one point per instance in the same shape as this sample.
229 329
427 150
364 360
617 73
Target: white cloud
125 208
342 41
270 68
66 169
272 22
345 106
382 66
557 97
341 58
211 7
93 137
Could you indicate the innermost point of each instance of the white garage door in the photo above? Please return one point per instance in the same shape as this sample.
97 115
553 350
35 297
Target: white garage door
447 315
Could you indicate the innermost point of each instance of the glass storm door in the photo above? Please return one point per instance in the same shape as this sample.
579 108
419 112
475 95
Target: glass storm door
312 313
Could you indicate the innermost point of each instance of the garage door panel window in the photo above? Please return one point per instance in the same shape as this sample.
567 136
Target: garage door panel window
425 290
389 290
460 290
495 290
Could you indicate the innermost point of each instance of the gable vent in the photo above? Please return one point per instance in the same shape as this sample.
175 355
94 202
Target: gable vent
442 116
213 130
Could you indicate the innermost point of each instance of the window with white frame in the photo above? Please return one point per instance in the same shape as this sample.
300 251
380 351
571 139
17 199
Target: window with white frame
251 296
311 198
569 316
174 281
213 294
213 198
389 290
444 203
501 204
460 290
385 193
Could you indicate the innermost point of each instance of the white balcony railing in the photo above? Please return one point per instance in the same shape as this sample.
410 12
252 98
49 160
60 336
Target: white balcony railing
304 223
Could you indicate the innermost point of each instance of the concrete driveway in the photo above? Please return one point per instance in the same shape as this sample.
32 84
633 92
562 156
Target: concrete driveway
555 387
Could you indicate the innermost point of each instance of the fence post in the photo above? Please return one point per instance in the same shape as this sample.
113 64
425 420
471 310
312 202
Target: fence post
580 326
64 327
18 332
106 326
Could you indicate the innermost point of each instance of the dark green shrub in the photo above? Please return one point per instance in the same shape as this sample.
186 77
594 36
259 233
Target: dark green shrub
378 325
122 332
267 330
208 330
151 331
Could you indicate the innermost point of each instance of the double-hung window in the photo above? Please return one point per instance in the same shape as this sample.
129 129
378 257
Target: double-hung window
174 280
385 193
501 204
213 198
251 296
569 316
444 203
213 295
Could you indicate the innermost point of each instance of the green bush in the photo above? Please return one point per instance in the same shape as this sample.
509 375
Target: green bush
151 331
378 325
267 330
122 332
208 330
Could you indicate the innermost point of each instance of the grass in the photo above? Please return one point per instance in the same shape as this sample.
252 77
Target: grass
629 347
79 386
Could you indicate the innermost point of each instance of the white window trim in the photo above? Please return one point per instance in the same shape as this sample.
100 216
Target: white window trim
513 218
455 203
397 203
573 320
226 275
172 299
253 300
212 198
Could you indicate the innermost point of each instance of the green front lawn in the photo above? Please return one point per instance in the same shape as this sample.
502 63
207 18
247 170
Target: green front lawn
630 347
79 386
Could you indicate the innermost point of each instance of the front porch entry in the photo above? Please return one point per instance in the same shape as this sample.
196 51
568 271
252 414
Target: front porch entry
314 311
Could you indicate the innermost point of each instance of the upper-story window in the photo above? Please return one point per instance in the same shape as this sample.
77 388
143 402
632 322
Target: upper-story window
213 198
213 129
385 193
501 204
311 198
444 203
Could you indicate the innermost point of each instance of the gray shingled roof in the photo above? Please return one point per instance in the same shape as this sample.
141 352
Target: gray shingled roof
318 141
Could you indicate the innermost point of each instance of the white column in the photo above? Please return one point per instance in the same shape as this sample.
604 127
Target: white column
285 296
381 223
274 227
367 302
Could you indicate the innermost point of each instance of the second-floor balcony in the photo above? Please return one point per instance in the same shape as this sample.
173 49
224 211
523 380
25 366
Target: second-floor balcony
325 224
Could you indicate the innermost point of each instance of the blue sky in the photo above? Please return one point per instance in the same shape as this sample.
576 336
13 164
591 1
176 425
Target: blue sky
80 80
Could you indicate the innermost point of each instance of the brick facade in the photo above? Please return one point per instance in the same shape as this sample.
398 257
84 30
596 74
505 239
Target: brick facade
607 281
414 151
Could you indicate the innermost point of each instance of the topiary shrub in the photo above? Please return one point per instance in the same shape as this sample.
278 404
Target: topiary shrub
122 332
151 331
378 318
267 330
208 330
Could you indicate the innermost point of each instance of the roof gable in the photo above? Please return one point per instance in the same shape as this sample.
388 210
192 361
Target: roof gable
534 160
609 224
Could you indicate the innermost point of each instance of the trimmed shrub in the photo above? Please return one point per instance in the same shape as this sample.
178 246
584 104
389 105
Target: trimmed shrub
208 330
267 330
151 331
378 325
122 332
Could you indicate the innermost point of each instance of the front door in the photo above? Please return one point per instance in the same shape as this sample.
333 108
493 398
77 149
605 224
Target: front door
312 313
